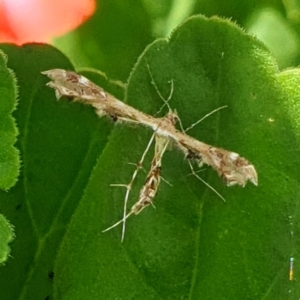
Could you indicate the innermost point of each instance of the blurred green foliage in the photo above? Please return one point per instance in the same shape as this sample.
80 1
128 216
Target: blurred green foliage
118 32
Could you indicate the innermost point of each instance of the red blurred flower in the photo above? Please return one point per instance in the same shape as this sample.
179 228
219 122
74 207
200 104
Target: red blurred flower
23 21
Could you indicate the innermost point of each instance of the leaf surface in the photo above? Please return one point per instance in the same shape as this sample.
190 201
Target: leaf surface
59 144
9 155
6 236
194 245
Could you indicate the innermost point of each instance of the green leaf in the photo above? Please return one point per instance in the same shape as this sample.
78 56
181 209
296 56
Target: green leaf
59 143
9 155
193 245
6 236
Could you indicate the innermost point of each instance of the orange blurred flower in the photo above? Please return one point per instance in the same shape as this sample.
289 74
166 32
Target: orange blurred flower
24 21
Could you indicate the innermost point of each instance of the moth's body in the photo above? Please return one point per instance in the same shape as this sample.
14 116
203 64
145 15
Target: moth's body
234 169
229 165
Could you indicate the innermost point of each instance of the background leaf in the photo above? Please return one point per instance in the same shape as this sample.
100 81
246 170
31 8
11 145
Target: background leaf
56 140
6 236
9 155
